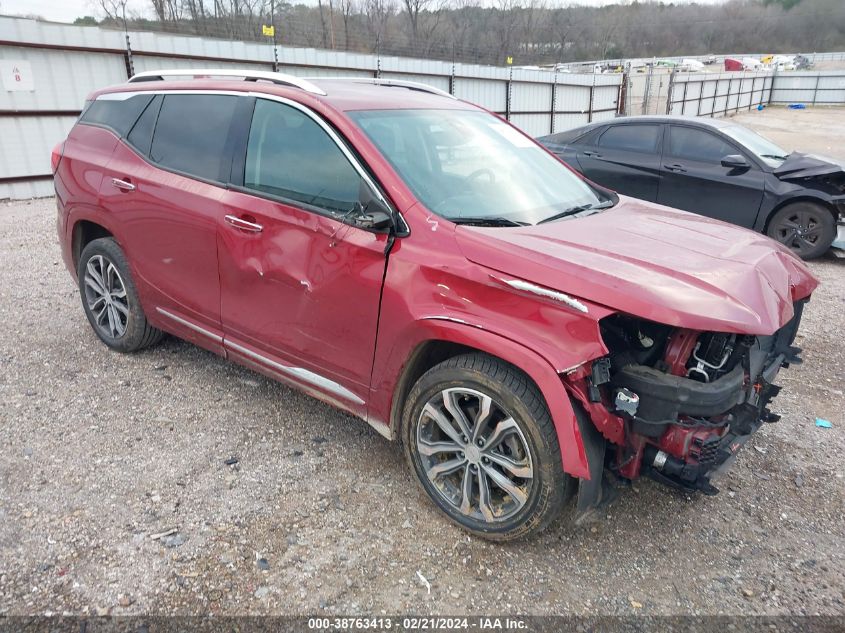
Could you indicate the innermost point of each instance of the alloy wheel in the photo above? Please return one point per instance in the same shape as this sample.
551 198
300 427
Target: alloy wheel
105 295
474 454
800 230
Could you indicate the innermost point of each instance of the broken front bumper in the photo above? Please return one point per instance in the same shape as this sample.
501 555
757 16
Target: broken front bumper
685 432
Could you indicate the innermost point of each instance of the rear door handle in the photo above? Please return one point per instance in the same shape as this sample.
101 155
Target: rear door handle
243 225
123 185
676 168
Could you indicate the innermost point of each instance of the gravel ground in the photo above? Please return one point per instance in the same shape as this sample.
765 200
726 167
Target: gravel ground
104 452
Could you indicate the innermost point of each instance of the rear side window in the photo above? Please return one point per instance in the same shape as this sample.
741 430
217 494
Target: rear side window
290 156
117 115
570 137
631 138
693 144
190 134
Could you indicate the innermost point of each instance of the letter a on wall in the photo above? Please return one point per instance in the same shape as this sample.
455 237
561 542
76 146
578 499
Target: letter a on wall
17 76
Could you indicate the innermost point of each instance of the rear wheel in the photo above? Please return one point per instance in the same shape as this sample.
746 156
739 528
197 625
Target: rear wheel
480 440
110 299
805 227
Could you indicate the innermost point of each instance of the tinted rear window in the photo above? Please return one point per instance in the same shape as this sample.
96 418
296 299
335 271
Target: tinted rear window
117 115
190 134
631 138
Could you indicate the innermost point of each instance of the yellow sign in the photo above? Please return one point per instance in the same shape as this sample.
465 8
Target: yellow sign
509 60
269 31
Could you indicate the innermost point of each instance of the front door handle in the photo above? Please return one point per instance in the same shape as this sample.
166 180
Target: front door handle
592 154
243 225
676 168
123 185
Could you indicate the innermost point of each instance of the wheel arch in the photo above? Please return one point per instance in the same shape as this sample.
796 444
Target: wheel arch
445 339
822 202
83 232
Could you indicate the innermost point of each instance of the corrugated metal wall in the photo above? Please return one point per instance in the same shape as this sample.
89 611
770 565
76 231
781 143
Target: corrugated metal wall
811 88
68 62
705 94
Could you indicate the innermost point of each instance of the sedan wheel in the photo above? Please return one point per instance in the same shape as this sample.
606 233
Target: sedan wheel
806 228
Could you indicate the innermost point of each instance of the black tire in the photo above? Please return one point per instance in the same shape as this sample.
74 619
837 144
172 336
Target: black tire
534 444
119 320
807 228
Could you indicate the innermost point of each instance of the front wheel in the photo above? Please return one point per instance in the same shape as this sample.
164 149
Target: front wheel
481 442
805 227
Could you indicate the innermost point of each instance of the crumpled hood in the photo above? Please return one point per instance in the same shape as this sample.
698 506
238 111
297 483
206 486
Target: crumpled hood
654 262
798 166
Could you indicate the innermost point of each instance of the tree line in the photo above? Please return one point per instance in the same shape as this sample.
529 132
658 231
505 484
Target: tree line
527 31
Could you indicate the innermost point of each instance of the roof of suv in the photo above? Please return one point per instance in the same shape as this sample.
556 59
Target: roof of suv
340 93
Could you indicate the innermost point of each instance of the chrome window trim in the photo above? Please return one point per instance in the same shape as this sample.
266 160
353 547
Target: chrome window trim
332 135
356 164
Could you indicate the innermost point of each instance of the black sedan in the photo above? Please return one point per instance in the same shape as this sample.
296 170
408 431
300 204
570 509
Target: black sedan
716 168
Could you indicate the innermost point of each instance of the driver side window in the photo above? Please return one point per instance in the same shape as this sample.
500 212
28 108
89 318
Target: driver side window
289 156
698 145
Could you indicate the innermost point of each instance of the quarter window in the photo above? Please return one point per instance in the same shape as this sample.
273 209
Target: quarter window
698 145
291 157
631 138
117 114
190 134
141 136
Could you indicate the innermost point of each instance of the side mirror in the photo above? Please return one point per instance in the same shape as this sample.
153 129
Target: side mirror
374 219
372 214
735 161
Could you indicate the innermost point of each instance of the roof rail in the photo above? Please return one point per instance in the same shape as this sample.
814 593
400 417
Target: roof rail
247 75
399 83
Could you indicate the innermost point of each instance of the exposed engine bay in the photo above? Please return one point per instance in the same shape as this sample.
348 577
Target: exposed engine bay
677 404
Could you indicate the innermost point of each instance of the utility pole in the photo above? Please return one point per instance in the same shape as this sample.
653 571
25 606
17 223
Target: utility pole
273 25
130 64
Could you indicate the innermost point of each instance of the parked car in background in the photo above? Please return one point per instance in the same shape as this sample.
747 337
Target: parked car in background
716 168
418 262
802 62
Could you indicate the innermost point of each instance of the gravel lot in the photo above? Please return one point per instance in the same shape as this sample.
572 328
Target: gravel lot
103 452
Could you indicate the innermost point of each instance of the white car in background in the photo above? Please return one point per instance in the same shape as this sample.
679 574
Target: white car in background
691 65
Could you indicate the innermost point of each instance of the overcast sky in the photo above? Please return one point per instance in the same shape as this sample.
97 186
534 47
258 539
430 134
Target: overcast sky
68 10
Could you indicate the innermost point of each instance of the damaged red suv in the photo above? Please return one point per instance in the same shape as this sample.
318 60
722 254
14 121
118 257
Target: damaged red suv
416 261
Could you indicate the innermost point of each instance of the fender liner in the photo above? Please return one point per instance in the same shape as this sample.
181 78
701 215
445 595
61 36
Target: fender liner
572 452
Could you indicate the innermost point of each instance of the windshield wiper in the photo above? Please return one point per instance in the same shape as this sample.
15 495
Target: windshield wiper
775 156
579 209
486 221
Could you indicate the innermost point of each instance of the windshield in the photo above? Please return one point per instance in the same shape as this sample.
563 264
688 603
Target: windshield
758 145
469 166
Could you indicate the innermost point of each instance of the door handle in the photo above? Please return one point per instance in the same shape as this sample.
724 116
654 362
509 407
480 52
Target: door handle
676 168
243 225
592 154
123 185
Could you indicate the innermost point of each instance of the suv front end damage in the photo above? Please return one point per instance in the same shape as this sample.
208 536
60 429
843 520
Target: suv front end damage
677 404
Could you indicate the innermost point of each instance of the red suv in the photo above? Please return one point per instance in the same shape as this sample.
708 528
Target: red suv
527 335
